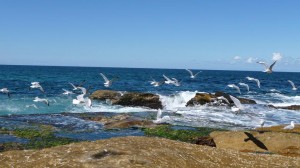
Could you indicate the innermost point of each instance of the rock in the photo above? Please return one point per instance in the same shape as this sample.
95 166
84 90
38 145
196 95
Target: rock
242 100
292 107
141 152
204 98
252 141
200 99
105 94
129 122
140 99
206 140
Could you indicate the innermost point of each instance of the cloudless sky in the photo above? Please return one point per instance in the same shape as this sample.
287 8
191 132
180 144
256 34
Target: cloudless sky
196 34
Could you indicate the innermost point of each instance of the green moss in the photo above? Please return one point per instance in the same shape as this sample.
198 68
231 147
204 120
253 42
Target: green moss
166 131
4 130
40 138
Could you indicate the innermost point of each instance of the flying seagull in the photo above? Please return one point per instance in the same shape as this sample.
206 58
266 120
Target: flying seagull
155 83
5 91
238 106
289 127
76 87
192 74
293 85
176 82
37 99
33 105
36 85
245 85
234 86
223 98
268 68
253 79
66 92
107 83
168 80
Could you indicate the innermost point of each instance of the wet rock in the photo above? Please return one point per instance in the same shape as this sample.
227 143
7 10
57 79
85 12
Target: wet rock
141 152
201 99
106 94
207 141
287 144
242 100
204 98
292 107
140 99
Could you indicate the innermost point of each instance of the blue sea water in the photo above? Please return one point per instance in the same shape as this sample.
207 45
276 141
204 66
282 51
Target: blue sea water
274 90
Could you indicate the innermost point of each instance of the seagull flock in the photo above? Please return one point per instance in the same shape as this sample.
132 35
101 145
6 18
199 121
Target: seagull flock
83 99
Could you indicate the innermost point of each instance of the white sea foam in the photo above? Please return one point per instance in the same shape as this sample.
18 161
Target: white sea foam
176 101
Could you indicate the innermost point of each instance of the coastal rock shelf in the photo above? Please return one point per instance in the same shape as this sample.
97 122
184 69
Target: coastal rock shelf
141 152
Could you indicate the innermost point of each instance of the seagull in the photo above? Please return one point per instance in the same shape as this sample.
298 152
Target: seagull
155 83
37 99
5 91
262 123
88 102
83 90
253 79
33 105
36 85
168 80
66 92
107 82
268 68
246 85
234 86
160 119
293 85
289 127
238 106
176 82
76 87
191 73
79 99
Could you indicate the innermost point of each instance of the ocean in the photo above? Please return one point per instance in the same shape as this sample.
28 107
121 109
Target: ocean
275 90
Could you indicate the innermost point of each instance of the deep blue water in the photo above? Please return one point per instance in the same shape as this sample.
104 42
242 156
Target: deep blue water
274 90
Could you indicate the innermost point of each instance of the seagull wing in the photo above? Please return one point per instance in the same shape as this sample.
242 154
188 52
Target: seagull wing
190 72
244 84
104 77
292 83
237 103
272 65
73 85
82 89
258 82
159 113
197 73
263 63
168 79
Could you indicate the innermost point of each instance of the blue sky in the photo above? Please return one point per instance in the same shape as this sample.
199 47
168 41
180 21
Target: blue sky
196 34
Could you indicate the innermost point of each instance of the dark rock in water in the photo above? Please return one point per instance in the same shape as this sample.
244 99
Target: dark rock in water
242 100
140 99
200 98
204 98
206 140
292 107
106 94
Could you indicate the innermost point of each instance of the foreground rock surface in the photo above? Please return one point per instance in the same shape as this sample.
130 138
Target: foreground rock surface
140 152
134 99
252 141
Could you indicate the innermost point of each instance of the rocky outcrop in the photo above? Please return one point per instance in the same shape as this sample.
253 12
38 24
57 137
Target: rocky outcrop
279 128
140 99
292 107
106 94
201 99
133 99
252 141
141 152
204 98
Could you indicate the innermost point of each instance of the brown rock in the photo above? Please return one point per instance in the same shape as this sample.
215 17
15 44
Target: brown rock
200 99
143 152
105 94
279 128
140 99
292 107
206 140
251 141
